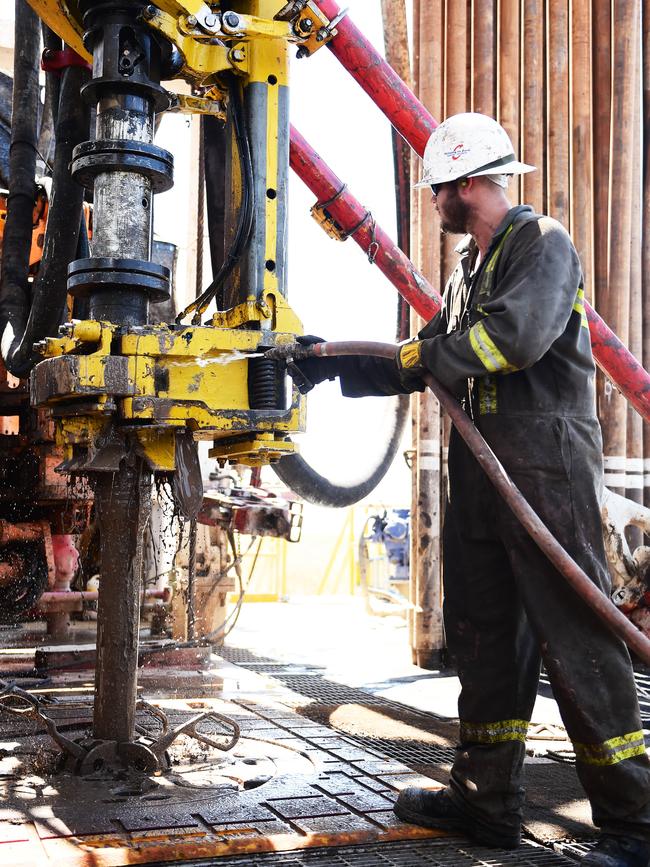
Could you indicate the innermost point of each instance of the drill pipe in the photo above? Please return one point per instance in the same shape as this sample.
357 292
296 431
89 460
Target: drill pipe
600 604
415 124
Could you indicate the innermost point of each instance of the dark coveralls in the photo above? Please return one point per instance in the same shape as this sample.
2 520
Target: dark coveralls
512 342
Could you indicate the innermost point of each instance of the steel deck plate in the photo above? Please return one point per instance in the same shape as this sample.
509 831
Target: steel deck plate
420 853
317 788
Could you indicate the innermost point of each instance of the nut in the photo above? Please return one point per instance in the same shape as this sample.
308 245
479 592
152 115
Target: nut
231 19
191 20
238 54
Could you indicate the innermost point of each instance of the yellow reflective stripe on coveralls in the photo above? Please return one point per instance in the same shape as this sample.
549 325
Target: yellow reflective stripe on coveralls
487 395
612 751
487 351
484 347
494 732
579 307
491 265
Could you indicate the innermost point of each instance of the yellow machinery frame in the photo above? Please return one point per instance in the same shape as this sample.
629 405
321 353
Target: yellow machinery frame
156 379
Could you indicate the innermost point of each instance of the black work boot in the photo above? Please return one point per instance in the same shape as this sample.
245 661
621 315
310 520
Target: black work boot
435 809
613 851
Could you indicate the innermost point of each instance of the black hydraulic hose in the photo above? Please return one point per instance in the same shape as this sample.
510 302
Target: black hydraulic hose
245 220
300 477
599 603
49 296
215 140
81 306
17 240
47 125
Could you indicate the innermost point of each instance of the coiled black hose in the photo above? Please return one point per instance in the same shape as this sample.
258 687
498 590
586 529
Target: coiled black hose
300 477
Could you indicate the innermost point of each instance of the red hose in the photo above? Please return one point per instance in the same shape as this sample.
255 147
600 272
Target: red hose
614 619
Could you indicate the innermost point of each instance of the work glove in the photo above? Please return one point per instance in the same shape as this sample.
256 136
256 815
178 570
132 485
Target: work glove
408 360
308 372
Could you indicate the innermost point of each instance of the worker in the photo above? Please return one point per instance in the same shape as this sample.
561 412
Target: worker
512 343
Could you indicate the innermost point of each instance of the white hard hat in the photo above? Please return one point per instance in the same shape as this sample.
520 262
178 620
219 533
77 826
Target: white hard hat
466 146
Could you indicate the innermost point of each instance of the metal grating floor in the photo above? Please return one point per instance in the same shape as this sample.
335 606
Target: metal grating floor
409 753
317 688
312 684
306 680
429 853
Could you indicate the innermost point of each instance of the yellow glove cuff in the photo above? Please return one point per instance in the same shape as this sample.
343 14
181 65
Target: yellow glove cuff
409 354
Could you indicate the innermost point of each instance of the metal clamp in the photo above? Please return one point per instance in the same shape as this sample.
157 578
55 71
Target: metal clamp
325 220
89 755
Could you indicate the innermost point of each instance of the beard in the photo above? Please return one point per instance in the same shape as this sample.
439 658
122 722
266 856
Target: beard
455 214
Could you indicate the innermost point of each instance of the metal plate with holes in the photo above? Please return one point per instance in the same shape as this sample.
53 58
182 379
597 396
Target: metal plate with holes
430 853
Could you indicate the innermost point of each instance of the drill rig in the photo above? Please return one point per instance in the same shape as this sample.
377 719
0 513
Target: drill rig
127 400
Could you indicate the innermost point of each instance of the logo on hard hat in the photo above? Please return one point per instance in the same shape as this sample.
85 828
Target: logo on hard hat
459 151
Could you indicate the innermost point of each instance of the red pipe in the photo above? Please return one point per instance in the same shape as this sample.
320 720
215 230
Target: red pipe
379 80
348 213
53 596
618 363
412 120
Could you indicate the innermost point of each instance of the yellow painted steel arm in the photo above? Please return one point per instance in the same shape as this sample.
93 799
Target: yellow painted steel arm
64 18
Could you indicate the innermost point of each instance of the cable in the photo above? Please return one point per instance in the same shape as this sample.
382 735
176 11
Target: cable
245 221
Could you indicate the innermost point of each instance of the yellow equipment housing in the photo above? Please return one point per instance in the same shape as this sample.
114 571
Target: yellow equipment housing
157 379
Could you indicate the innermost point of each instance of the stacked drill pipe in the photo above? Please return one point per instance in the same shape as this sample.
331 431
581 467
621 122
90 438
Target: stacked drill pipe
508 77
427 634
645 248
533 119
613 295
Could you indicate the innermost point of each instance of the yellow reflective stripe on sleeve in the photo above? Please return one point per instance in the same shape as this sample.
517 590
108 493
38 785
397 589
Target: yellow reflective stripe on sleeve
409 354
495 732
491 265
579 307
488 352
612 751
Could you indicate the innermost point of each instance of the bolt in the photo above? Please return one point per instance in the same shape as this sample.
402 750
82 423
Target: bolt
238 54
231 19
306 24
149 12
191 20
210 21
